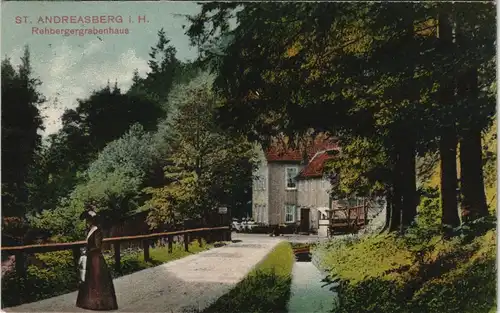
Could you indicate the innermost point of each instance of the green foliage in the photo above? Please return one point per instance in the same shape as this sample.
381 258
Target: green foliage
208 167
452 292
102 118
114 181
135 153
362 169
121 170
490 166
63 221
106 115
21 122
429 212
265 289
362 72
422 273
53 273
165 72
425 271
108 149
98 120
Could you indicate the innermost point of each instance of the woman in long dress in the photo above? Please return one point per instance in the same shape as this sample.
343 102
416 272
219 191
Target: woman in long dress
97 291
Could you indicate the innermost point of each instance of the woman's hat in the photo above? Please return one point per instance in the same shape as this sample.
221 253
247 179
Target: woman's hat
90 205
88 214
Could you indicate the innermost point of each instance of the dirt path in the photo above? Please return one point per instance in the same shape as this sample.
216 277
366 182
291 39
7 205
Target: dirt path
184 285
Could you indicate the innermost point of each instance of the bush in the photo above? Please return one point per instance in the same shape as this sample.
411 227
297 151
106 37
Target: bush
52 274
423 272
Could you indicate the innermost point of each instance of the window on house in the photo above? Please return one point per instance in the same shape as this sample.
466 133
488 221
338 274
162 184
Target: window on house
289 213
291 174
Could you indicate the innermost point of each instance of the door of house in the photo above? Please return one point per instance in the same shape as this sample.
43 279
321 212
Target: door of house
304 220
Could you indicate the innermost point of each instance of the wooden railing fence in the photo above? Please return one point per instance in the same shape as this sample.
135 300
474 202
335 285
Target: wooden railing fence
349 217
209 234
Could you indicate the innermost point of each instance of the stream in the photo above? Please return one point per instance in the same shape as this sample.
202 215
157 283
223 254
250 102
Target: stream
307 293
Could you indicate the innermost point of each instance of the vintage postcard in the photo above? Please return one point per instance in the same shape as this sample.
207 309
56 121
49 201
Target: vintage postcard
249 157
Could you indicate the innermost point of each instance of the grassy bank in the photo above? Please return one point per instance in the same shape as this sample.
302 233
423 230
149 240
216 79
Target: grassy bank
54 273
414 273
421 271
265 289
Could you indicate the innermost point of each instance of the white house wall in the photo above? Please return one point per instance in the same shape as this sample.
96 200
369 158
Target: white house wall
313 194
260 190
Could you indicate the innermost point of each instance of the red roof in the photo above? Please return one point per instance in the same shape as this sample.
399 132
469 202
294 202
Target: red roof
316 165
279 153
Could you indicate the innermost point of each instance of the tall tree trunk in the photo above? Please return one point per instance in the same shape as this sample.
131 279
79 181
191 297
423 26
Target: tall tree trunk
448 137
471 160
449 185
471 175
408 182
395 222
388 210
396 197
407 140
473 202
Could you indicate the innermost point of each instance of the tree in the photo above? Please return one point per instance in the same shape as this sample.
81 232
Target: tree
98 120
475 40
332 68
448 140
165 71
114 181
21 123
262 74
87 141
207 168
164 67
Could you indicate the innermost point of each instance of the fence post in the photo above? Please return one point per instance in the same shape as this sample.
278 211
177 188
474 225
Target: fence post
186 242
208 236
76 256
365 212
170 244
20 266
116 248
145 245
21 272
200 239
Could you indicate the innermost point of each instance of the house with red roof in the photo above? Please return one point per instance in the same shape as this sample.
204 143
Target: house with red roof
289 186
